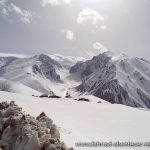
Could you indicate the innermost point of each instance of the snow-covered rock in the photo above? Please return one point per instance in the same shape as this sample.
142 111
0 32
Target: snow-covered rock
19 131
115 78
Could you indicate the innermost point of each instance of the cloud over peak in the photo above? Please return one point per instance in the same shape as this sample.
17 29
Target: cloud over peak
98 46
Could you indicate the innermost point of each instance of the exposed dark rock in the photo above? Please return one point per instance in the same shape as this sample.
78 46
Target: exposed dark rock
54 96
43 96
84 99
68 95
34 96
49 96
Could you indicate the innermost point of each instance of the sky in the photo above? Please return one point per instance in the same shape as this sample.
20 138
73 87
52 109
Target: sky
75 27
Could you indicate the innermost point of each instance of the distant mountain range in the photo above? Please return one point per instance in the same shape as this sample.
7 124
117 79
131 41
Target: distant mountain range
115 78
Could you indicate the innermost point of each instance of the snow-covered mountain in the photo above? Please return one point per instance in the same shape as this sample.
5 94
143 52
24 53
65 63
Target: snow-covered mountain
31 71
115 78
47 74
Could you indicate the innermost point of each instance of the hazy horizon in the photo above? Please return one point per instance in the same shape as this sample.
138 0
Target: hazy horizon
75 27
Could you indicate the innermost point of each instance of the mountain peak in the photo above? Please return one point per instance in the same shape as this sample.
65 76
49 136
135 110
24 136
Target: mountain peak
115 78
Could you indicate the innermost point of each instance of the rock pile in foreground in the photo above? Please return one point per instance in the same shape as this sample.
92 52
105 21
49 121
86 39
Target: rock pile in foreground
19 131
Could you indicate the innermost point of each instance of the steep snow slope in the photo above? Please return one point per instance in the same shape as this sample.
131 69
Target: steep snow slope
61 88
9 86
89 121
117 79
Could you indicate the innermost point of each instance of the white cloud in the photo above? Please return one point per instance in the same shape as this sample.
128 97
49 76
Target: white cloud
2 2
15 9
103 27
55 2
9 9
51 2
67 1
89 15
98 46
97 49
69 34
4 12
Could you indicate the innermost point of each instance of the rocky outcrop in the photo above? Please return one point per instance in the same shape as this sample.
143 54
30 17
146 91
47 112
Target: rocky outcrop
19 131
5 61
46 67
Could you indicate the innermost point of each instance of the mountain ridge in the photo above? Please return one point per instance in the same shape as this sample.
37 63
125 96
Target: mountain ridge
115 78
123 80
